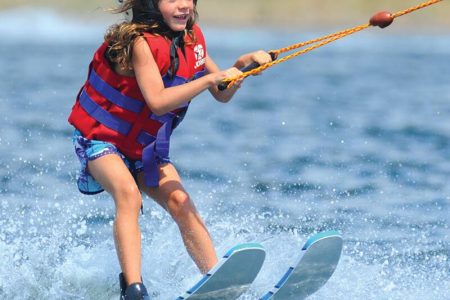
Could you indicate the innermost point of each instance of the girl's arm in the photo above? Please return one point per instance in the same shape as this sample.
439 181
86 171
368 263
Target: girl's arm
261 57
162 100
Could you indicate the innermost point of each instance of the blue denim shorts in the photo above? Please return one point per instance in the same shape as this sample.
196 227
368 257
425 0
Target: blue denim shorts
87 150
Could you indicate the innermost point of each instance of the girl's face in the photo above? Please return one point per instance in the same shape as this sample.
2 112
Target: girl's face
176 13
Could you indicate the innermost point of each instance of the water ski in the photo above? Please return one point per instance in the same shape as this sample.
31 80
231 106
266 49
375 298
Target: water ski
317 261
232 275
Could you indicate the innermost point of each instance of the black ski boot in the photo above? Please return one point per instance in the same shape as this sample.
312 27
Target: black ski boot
135 291
123 286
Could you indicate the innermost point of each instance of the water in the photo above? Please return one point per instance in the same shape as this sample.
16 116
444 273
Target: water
353 137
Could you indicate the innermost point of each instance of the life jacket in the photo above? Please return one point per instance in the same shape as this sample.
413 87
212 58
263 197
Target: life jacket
111 108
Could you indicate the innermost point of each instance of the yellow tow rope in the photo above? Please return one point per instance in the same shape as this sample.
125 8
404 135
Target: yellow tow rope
381 19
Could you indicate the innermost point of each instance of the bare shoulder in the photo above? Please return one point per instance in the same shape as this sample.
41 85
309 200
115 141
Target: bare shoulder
141 52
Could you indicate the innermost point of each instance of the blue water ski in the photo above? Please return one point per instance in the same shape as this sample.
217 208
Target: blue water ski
232 275
318 260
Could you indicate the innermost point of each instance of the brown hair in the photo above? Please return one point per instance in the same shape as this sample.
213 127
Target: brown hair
121 37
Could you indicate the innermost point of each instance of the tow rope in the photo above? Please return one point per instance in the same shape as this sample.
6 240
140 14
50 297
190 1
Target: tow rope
381 19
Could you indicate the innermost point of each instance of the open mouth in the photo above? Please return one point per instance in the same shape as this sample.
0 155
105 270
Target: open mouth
183 17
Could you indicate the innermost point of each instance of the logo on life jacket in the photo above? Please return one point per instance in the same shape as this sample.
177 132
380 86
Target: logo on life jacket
199 52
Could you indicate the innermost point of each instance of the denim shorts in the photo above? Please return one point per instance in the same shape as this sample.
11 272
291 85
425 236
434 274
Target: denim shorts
87 150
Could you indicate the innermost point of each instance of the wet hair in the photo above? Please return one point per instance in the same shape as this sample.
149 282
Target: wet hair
146 17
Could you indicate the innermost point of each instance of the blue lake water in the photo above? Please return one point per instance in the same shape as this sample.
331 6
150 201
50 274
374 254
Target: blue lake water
353 137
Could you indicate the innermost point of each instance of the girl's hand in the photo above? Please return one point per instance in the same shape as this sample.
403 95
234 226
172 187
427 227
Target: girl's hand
260 57
220 76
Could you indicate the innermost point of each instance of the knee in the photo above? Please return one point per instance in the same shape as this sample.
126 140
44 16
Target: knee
179 204
128 199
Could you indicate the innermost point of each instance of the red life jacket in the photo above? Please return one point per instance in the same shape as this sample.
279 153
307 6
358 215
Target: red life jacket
111 108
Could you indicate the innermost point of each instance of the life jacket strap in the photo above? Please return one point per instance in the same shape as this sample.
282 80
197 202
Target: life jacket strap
155 153
114 95
102 116
144 138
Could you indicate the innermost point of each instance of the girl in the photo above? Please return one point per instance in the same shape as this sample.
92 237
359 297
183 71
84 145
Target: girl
139 86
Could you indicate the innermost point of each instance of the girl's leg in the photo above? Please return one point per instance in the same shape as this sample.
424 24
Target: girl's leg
112 173
172 197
